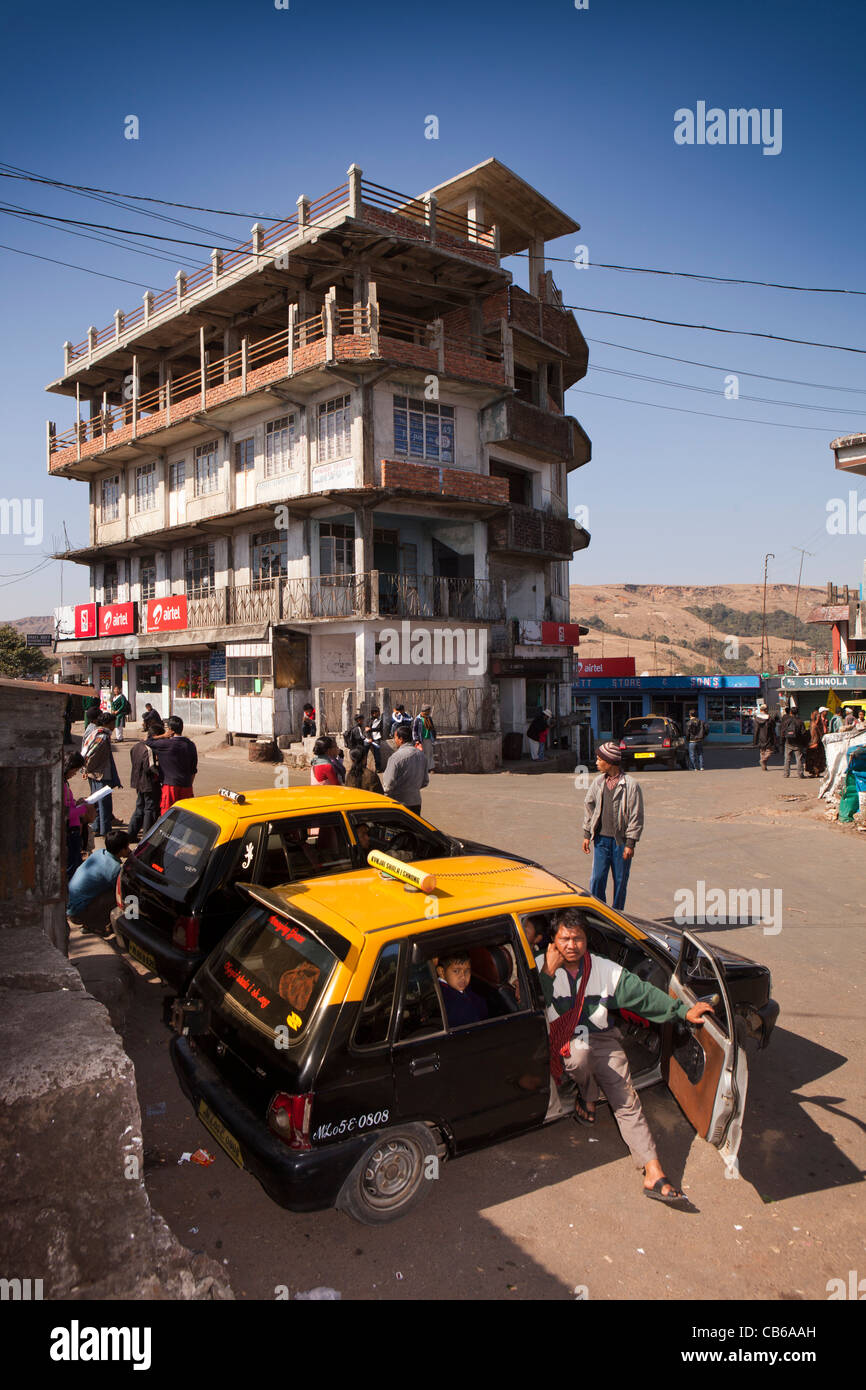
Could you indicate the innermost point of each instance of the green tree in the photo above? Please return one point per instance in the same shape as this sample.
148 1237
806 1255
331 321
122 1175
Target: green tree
17 660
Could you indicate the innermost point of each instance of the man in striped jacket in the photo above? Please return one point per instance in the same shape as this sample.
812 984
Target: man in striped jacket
581 993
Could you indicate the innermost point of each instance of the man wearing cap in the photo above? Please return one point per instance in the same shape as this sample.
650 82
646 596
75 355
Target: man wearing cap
536 735
612 824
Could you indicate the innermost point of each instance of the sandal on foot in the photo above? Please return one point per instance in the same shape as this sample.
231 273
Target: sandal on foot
671 1199
587 1117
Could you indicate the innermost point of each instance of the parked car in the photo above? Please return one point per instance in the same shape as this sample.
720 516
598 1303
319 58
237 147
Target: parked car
653 739
315 1048
177 893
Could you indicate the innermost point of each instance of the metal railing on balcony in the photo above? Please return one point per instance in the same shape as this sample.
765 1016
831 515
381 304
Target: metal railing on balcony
825 663
430 596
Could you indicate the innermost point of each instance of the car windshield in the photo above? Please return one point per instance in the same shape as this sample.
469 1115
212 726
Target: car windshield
273 970
177 847
645 726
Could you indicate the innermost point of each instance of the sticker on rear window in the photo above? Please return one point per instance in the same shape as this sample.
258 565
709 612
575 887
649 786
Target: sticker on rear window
246 983
297 985
285 930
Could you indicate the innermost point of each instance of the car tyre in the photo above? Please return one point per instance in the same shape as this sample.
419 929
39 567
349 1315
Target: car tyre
390 1177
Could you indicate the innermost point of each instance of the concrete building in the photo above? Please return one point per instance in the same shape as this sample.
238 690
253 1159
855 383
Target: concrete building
335 458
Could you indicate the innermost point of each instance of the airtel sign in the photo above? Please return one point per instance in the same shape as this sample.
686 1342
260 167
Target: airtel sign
116 618
166 614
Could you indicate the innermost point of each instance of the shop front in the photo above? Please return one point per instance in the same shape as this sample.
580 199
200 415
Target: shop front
723 702
811 692
193 691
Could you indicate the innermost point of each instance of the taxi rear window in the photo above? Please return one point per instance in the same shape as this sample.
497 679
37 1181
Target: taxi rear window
178 846
645 726
273 970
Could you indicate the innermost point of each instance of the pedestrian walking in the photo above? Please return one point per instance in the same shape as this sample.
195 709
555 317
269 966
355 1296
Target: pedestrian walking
120 708
764 737
791 735
536 735
696 732
424 733
816 758
178 762
612 824
100 768
407 771
144 778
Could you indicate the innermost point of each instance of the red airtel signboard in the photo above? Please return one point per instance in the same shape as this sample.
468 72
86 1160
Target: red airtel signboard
166 614
560 634
116 619
85 620
605 666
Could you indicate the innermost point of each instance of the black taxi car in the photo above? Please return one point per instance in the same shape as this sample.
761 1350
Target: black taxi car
177 892
315 1048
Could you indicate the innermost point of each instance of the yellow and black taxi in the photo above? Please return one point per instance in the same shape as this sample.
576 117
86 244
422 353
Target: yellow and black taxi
177 891
318 1046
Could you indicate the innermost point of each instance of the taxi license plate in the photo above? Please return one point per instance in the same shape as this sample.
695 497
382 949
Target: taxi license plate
143 957
224 1137
644 755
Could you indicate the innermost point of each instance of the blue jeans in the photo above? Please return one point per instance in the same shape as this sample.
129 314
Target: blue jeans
696 755
608 855
103 807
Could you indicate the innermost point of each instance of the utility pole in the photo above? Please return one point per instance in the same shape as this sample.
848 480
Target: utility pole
797 598
769 556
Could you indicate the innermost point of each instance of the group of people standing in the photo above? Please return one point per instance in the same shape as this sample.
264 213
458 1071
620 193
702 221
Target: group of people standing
786 733
404 764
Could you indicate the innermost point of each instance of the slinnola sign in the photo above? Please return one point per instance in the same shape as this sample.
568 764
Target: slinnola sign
166 614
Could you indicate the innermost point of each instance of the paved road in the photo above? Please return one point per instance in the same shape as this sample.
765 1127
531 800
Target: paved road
543 1214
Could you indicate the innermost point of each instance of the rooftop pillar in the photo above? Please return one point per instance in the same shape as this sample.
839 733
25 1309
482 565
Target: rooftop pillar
430 204
257 234
355 177
147 298
118 323
180 282
303 212
91 340
67 349
216 264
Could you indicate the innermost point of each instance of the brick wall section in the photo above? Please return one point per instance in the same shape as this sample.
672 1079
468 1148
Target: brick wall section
408 227
450 482
529 530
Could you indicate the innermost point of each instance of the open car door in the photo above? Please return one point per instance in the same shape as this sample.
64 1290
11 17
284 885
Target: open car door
705 1068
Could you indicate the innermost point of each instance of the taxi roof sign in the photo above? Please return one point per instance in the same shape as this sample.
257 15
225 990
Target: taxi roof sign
406 873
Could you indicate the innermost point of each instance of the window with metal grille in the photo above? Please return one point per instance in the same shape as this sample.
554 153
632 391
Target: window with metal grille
109 582
279 446
335 429
245 455
270 550
109 506
336 549
177 476
207 468
198 566
145 487
423 429
147 577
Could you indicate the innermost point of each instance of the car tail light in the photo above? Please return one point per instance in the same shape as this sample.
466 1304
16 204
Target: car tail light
185 934
622 743
289 1119
666 743
118 890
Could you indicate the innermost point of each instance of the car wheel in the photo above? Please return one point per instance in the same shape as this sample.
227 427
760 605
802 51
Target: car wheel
390 1177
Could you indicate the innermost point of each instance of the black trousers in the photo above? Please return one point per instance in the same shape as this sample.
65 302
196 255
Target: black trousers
145 813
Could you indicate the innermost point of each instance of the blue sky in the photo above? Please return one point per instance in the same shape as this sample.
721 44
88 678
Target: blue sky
246 106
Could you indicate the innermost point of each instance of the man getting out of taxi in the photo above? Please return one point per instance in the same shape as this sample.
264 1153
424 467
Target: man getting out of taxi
580 993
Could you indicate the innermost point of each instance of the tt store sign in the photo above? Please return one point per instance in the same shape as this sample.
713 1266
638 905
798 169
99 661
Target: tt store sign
85 620
166 614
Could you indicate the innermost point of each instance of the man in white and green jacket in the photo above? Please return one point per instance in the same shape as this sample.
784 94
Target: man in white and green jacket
581 993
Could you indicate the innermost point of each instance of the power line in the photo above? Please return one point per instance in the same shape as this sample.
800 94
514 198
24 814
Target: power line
695 275
69 266
155 255
738 371
713 391
123 231
712 328
706 414
139 197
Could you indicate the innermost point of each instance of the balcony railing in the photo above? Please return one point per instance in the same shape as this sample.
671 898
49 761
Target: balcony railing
419 219
374 594
826 664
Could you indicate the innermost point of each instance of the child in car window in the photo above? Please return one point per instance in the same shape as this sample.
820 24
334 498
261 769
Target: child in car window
462 1004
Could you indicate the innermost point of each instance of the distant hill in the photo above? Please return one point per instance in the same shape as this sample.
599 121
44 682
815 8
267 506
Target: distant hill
25 625
693 626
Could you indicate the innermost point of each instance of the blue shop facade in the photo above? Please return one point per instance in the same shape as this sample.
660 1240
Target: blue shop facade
725 703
